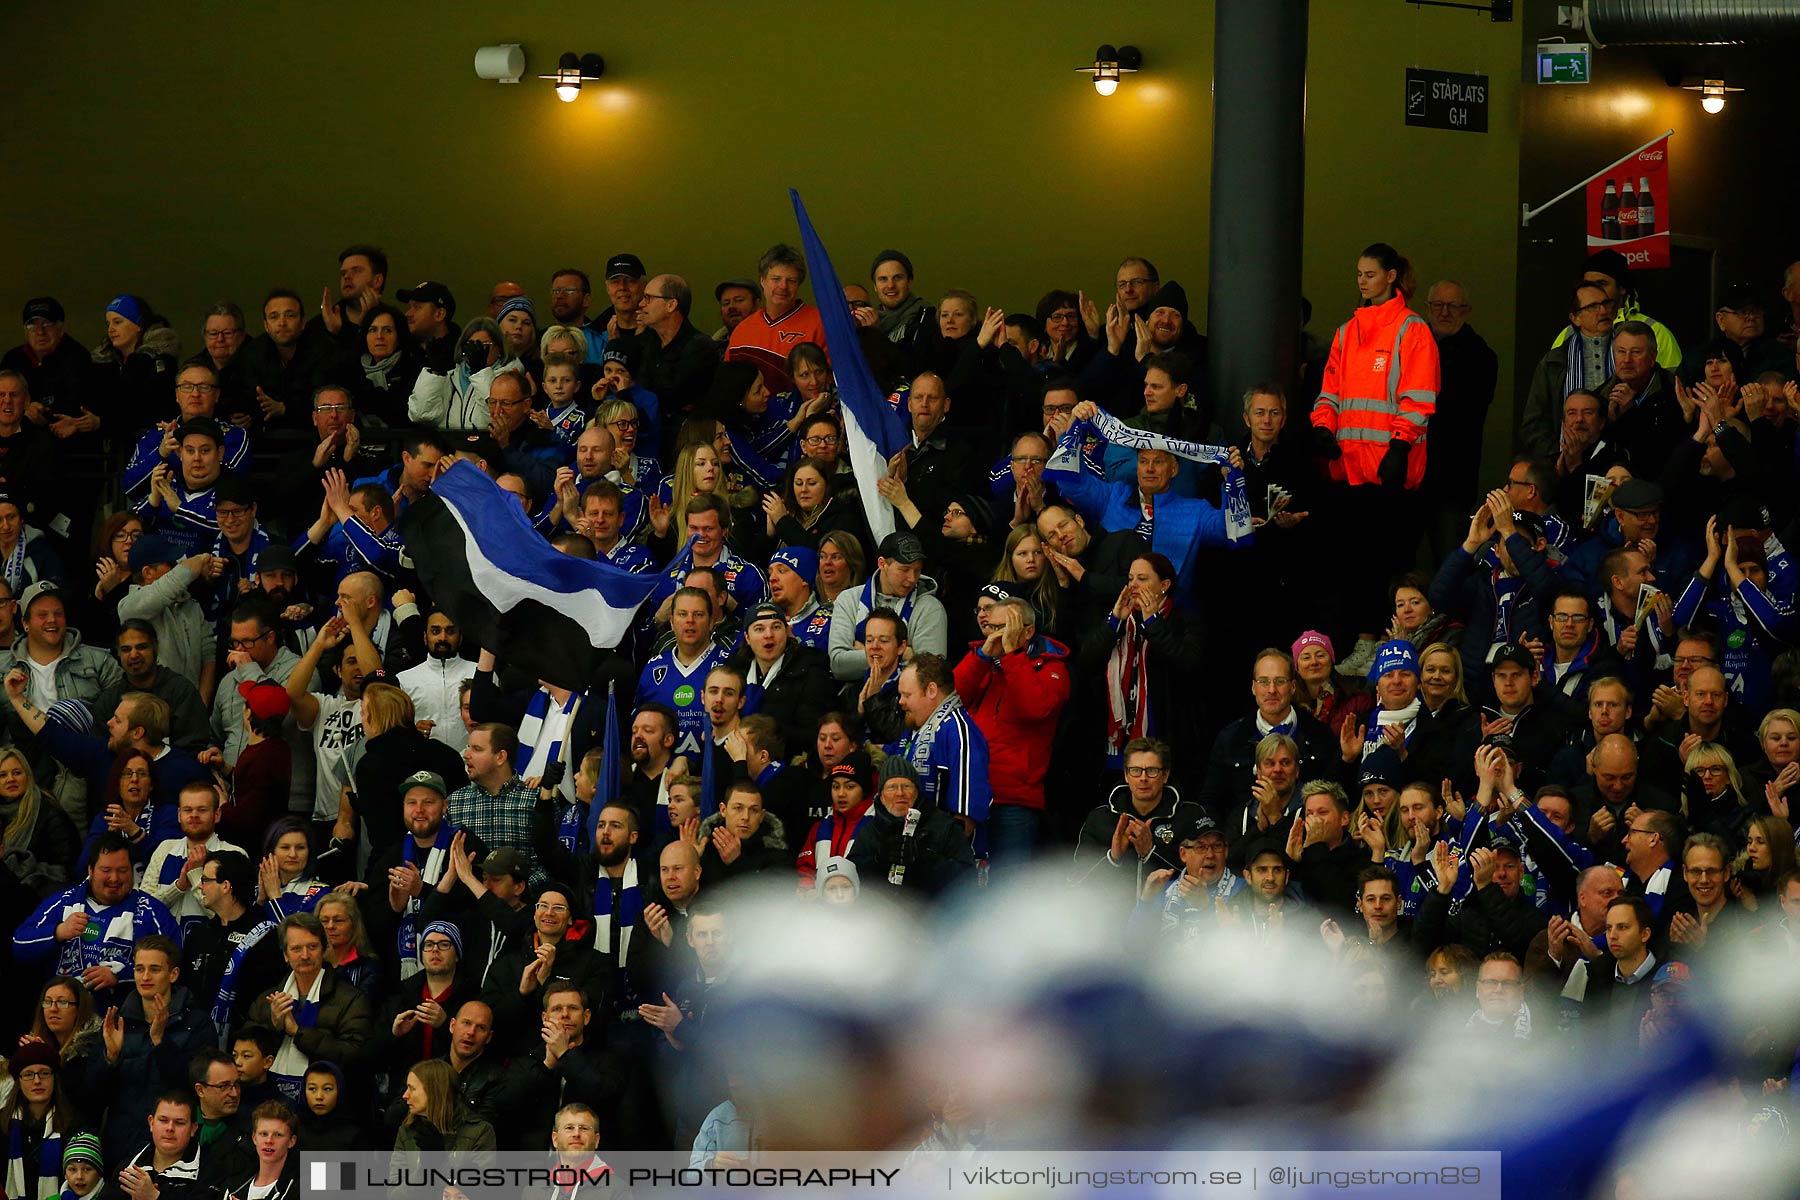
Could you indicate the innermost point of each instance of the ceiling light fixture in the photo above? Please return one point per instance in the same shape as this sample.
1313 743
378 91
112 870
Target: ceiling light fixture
572 70
1109 64
1712 93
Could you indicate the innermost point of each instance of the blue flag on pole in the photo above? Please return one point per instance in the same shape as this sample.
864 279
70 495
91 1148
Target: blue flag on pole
872 429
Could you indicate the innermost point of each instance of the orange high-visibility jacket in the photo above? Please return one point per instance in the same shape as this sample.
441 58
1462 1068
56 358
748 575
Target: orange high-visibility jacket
1381 384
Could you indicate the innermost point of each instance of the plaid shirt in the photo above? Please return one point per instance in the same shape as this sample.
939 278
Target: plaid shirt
501 818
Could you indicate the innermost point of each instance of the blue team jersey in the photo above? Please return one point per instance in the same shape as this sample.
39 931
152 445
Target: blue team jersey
666 681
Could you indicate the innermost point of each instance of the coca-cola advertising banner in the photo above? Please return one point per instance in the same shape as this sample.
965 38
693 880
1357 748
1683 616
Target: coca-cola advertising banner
1628 207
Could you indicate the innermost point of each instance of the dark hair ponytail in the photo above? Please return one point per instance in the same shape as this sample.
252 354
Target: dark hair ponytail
1392 260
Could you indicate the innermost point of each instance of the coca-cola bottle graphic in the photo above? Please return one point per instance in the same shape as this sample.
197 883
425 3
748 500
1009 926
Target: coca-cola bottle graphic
1628 212
1609 213
1646 208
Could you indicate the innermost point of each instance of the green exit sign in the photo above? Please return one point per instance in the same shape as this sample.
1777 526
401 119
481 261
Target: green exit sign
1562 62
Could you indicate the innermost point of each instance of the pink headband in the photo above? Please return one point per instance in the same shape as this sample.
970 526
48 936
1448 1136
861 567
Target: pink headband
1313 637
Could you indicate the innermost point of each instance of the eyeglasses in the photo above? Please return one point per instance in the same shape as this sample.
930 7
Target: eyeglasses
1706 872
189 389
1569 618
623 423
479 342
231 511
1053 409
552 908
246 643
439 944
231 1086
1499 983
208 878
568 291
223 335
333 408
1518 482
1131 283
36 1075
656 296
1644 832
826 439
1597 305
1711 769
1143 772
41 326
139 773
57 1005
1694 660
1269 681
1444 306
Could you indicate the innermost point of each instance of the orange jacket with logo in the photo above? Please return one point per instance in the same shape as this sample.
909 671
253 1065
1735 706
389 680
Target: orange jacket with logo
1381 385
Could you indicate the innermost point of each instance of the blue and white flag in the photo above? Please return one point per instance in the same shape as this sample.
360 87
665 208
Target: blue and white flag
873 431
540 610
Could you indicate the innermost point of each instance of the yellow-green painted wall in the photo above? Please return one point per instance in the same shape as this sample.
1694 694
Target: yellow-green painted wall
195 151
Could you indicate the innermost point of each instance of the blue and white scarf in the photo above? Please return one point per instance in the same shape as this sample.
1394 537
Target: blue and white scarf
1575 357
1236 499
631 907
535 759
867 598
435 861
15 579
290 1061
49 1159
228 982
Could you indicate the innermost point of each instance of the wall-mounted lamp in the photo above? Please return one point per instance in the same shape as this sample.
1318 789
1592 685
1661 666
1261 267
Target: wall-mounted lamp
1712 93
502 64
572 70
1109 64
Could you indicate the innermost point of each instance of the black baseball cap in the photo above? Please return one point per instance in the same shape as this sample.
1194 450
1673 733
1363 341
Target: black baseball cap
750 285
1738 297
430 292
203 426
1512 652
764 612
42 308
904 547
277 556
1195 827
625 264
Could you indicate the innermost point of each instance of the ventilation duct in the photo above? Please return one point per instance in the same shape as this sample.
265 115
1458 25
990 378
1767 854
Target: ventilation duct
1688 22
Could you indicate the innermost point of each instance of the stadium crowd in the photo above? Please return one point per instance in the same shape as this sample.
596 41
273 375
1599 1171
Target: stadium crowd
292 863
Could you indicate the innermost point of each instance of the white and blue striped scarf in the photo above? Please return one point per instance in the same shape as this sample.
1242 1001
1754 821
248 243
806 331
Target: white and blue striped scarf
631 906
1067 457
49 1159
535 759
436 859
228 981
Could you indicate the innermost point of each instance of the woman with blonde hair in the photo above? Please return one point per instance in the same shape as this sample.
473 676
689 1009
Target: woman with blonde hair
1777 773
393 748
1713 793
1022 560
698 471
624 421
1769 854
347 948
40 840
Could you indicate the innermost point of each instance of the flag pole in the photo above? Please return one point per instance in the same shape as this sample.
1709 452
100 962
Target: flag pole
1526 212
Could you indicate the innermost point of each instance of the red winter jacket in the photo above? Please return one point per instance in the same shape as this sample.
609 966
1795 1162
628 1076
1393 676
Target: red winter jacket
1381 384
1015 701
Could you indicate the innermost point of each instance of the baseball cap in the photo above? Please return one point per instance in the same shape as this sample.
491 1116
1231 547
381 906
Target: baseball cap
800 560
625 264
1512 652
264 698
750 285
37 591
202 426
504 860
277 557
424 779
42 308
1502 843
1196 827
764 612
1742 512
1502 742
430 292
1675 973
1636 493
152 550
1530 524
904 547
1738 297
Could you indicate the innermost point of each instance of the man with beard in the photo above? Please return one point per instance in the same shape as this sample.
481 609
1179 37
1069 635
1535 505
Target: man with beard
652 746
414 872
435 685
137 653
277 580
335 721
618 902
